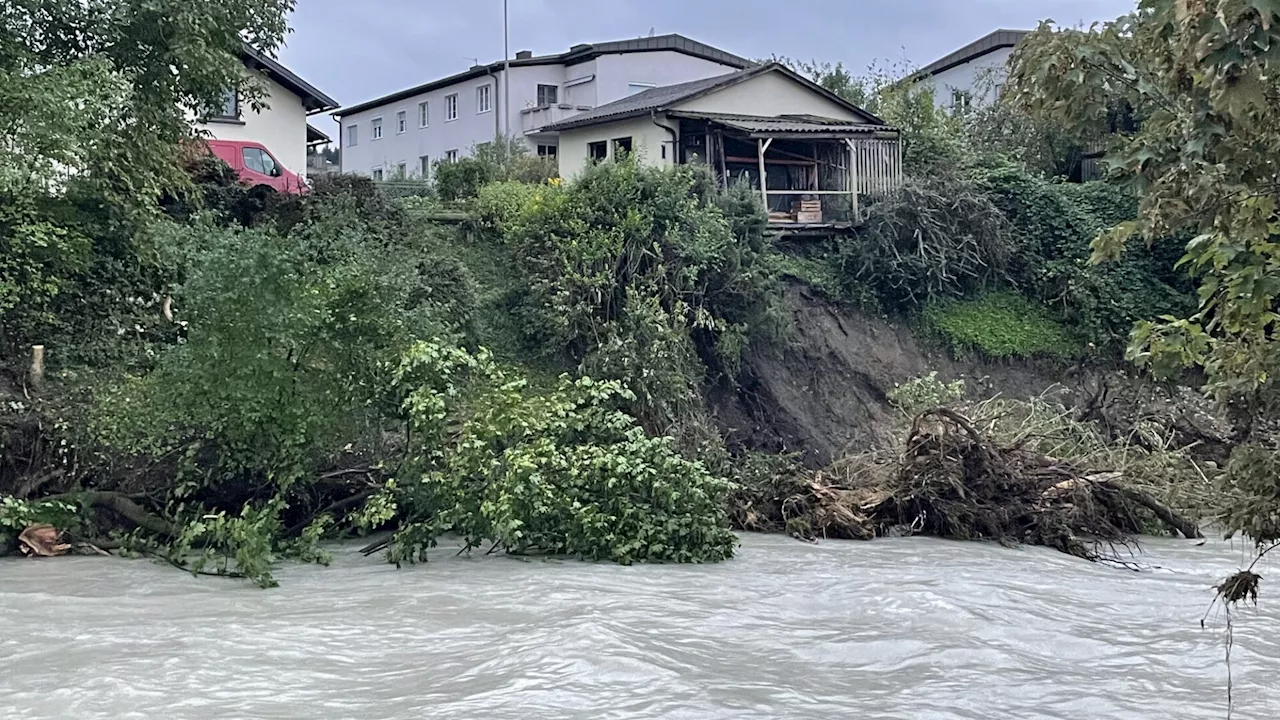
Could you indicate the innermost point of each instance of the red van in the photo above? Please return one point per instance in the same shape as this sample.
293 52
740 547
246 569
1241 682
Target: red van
257 167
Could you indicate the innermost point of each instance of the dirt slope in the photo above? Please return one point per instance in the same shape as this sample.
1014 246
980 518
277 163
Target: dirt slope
823 391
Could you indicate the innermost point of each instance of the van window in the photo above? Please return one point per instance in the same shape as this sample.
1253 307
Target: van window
258 160
253 160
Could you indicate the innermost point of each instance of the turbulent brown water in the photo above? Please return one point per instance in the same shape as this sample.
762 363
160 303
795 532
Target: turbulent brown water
911 628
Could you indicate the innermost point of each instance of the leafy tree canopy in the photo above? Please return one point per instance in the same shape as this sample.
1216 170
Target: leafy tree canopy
1186 94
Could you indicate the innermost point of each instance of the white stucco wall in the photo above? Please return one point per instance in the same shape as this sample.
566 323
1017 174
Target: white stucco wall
769 95
282 127
616 72
610 78
979 78
434 140
647 139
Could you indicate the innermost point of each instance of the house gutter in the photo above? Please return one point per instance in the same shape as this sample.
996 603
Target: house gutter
653 115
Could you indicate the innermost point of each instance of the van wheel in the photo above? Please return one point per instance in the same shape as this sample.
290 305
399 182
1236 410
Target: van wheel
262 192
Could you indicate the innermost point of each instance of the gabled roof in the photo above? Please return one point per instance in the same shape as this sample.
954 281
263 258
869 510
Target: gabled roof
660 99
312 99
974 50
575 54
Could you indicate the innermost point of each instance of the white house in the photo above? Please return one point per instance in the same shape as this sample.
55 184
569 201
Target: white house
974 75
281 125
406 132
807 150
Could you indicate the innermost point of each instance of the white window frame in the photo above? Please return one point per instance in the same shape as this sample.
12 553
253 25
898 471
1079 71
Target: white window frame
451 156
353 135
375 129
402 121
451 107
402 170
424 114
424 164
484 99
377 174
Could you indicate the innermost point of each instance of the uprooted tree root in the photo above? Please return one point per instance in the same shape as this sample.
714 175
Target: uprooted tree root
952 481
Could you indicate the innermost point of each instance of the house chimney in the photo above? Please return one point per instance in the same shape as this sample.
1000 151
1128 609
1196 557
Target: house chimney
524 55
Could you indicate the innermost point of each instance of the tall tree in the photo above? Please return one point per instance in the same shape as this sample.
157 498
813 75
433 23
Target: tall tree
1187 95
105 89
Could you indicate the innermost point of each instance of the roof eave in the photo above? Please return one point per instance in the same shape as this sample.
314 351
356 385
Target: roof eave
313 99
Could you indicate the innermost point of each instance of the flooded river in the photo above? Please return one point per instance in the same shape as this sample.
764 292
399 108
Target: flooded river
912 628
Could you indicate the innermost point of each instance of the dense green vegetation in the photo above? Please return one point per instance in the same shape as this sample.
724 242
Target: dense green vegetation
232 379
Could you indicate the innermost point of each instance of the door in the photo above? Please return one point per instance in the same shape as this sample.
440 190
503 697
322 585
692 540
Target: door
262 169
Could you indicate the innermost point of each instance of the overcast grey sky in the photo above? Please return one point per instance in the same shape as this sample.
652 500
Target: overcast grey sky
356 50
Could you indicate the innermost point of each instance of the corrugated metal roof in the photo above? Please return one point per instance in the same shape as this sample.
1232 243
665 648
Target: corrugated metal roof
800 124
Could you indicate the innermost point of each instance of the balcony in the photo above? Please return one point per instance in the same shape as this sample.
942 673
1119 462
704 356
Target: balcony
533 119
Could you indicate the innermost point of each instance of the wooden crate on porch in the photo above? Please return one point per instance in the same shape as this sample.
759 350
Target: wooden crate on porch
807 211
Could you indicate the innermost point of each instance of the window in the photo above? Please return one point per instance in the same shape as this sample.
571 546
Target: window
450 107
402 122
377 174
598 151
621 147
548 95
402 171
547 150
253 160
229 109
424 166
353 134
451 156
639 87
960 100
375 130
424 115
484 99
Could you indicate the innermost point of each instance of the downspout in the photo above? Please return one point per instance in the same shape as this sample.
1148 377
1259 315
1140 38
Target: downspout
497 105
653 115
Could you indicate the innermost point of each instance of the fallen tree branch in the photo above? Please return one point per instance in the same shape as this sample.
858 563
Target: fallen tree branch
1167 516
333 507
121 504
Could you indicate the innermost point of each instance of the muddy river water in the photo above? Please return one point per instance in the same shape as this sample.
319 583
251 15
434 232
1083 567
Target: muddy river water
909 628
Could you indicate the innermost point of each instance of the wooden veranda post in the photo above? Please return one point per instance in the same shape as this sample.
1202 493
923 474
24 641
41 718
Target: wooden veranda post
764 186
853 177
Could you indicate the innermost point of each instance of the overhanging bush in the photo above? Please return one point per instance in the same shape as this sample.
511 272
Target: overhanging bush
563 472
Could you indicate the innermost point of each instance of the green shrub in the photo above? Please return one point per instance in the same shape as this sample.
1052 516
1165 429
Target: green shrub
932 239
562 472
1001 325
638 274
925 392
459 179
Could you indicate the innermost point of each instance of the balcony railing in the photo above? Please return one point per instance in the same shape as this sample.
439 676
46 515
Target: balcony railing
533 119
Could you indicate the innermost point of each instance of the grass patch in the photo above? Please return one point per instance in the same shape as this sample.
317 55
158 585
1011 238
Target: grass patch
1001 325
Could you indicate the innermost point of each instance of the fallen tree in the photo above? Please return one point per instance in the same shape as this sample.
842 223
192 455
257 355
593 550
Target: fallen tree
953 479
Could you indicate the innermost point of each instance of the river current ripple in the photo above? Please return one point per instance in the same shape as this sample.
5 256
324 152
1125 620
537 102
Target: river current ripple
907 628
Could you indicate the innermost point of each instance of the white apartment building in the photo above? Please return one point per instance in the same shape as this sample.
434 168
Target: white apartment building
974 75
405 133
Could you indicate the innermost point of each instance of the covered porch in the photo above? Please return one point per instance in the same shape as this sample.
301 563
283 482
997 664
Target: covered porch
810 171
